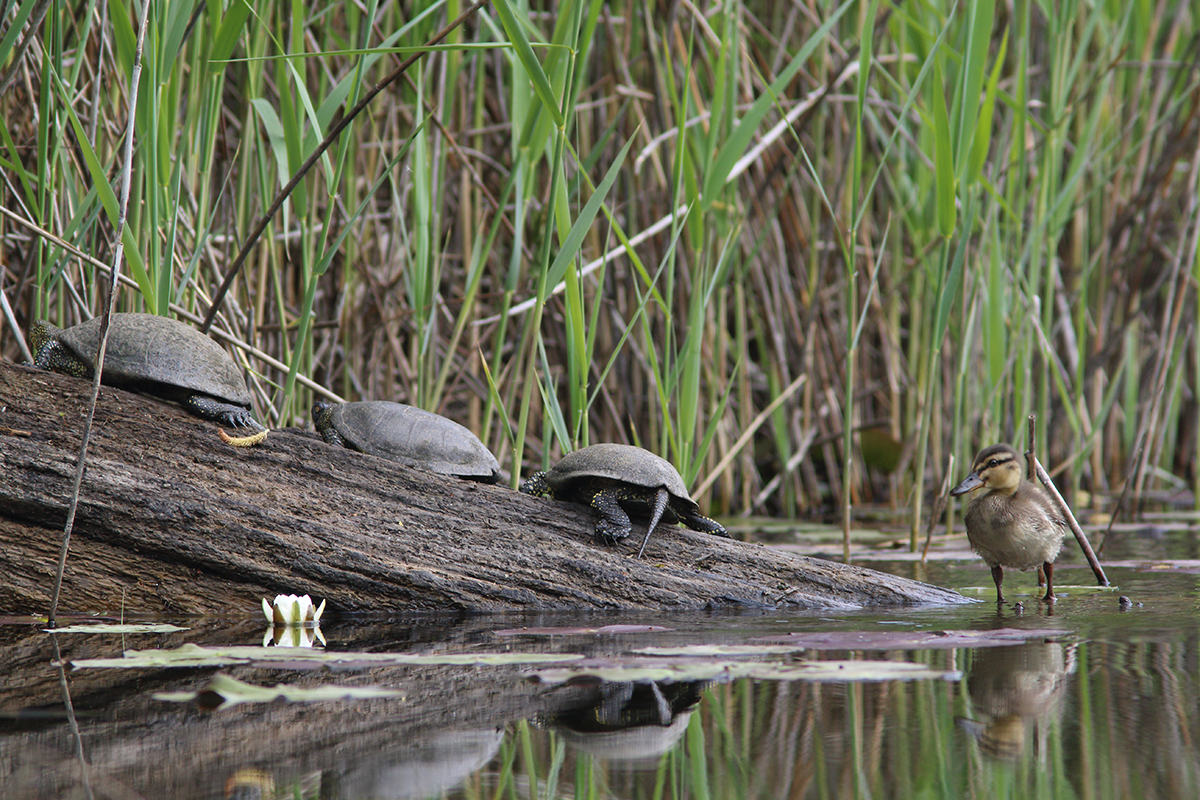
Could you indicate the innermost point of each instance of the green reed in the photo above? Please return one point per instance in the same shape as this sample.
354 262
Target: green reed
765 240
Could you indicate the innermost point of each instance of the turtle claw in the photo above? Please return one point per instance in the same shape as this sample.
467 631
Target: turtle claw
242 419
222 413
611 531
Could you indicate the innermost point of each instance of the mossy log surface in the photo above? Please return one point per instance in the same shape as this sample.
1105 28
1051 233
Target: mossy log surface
172 520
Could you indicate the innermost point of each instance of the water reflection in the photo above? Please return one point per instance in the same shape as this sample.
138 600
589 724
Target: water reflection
425 767
293 636
1109 709
250 784
630 722
1015 689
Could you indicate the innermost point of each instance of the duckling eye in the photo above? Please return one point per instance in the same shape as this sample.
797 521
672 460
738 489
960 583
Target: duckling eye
995 462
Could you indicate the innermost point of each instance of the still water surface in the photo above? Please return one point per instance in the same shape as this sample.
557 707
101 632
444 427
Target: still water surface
1090 700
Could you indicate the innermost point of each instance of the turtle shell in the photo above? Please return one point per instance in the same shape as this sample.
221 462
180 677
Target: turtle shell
149 349
622 463
414 437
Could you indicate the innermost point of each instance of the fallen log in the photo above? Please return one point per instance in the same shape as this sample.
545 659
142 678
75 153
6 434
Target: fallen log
171 520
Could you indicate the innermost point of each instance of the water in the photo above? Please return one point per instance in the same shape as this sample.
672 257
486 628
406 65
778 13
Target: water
1090 699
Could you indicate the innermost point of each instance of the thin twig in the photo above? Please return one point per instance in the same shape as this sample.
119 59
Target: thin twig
1043 476
113 285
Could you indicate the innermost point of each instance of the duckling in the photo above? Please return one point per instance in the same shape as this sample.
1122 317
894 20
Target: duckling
1010 521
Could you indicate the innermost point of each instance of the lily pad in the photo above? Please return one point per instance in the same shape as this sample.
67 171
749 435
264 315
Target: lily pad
112 627
190 655
911 640
225 691
606 629
635 671
720 650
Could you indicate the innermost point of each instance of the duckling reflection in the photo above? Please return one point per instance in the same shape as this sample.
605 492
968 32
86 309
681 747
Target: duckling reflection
631 722
1013 689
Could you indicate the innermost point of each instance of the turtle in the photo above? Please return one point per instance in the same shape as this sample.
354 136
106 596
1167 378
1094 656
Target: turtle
154 355
617 479
408 435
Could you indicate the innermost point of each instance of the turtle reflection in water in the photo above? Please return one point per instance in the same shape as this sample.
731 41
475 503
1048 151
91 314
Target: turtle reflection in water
632 722
157 356
619 479
407 435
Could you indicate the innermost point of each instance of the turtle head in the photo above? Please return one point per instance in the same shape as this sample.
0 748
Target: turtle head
320 413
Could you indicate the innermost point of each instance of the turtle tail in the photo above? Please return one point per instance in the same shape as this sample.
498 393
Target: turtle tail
660 505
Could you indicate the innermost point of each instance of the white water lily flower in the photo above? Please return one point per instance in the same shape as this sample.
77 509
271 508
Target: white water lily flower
288 609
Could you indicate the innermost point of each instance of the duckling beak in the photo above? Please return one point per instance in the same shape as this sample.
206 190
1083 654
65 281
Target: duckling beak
972 481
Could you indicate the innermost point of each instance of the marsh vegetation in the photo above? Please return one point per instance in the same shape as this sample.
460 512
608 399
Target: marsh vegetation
792 247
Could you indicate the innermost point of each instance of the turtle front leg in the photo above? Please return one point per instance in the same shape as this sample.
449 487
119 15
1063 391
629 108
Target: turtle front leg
614 524
210 408
333 437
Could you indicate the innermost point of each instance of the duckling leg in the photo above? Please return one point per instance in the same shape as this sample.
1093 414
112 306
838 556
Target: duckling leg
998 577
1049 568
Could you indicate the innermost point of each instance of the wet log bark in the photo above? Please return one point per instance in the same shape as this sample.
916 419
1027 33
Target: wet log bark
172 520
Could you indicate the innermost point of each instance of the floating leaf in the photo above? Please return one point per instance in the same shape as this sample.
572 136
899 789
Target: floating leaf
606 629
1184 565
856 671
911 640
190 655
224 691
711 650
642 670
112 627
